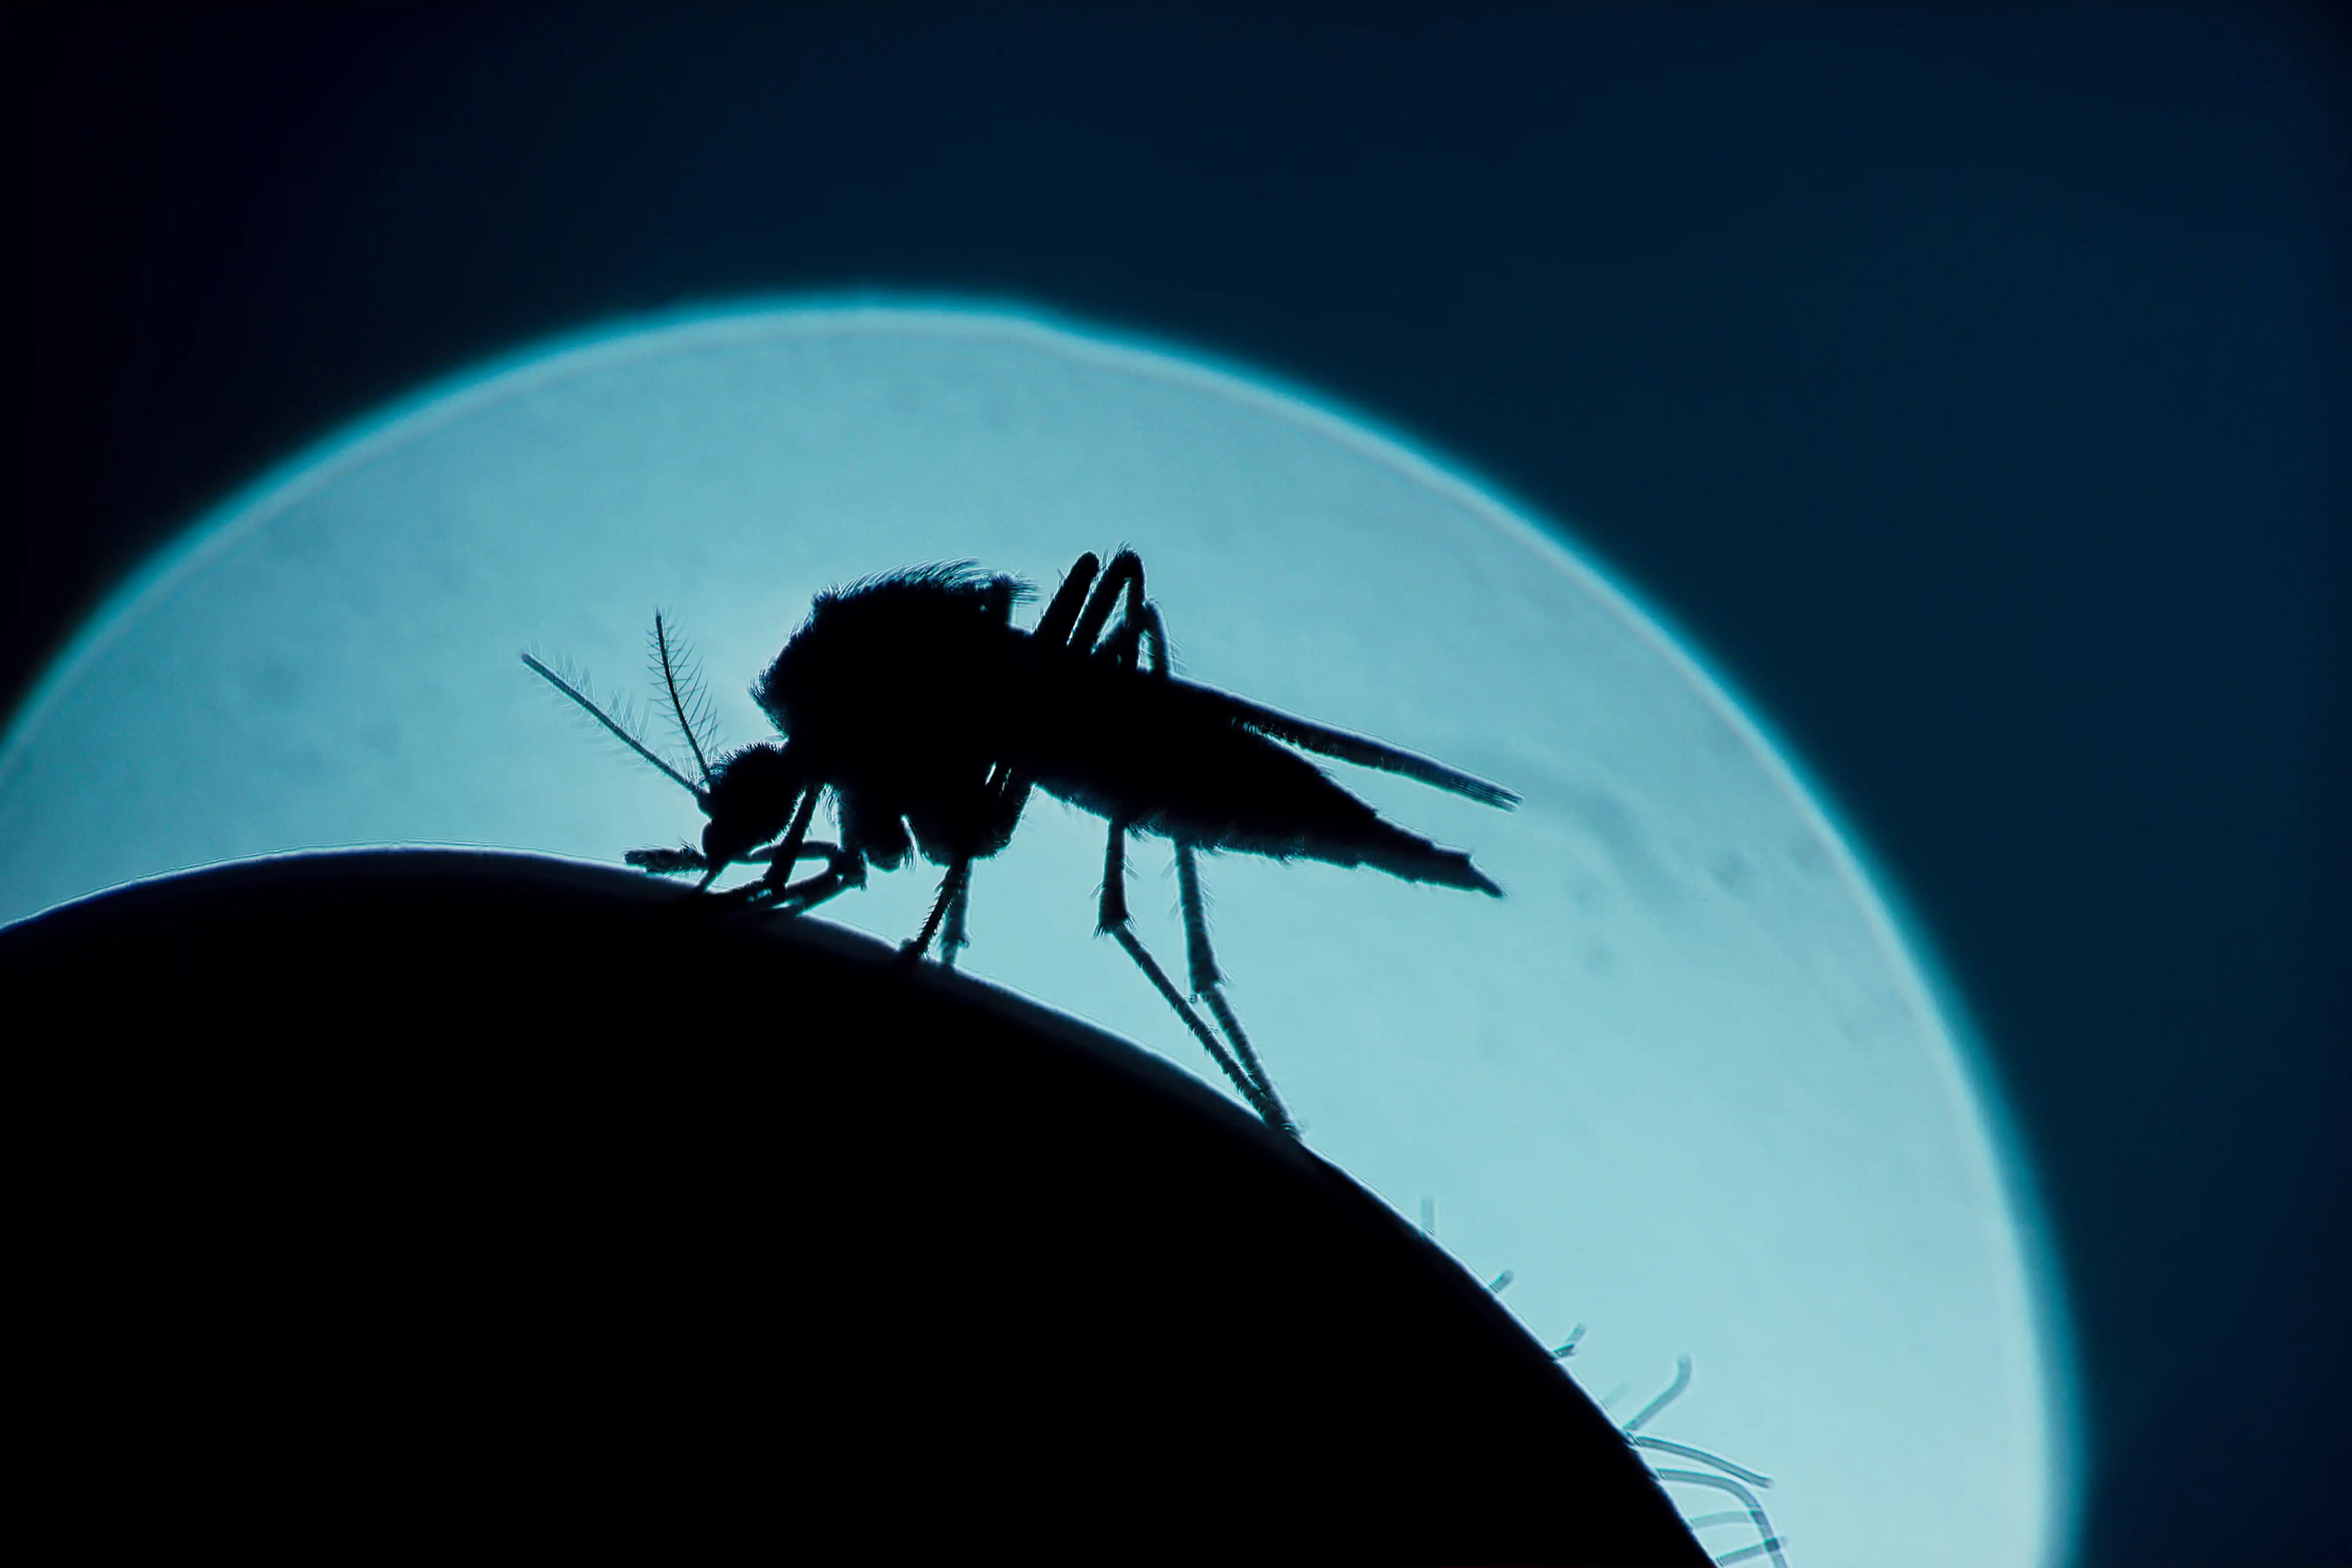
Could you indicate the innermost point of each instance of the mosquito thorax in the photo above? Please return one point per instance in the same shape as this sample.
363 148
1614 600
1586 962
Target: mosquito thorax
866 645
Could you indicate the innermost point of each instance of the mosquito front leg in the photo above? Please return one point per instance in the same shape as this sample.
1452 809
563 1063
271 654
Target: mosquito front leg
686 859
798 898
788 851
843 870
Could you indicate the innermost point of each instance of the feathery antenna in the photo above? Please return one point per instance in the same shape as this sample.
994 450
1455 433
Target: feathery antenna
681 677
578 694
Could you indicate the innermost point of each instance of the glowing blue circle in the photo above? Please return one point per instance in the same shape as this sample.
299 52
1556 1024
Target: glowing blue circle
1689 1082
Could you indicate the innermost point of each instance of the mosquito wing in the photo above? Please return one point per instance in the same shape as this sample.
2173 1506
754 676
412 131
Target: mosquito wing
1358 749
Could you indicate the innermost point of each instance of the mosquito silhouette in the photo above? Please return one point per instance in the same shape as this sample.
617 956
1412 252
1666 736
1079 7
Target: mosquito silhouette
913 701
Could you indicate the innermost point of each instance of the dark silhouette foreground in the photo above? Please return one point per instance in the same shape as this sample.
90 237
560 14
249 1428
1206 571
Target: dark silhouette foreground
440 1206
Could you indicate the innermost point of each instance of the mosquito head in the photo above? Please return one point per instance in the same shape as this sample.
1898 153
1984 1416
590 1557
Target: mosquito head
750 801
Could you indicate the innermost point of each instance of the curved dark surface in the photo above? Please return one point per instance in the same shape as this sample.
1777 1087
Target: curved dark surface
426 1206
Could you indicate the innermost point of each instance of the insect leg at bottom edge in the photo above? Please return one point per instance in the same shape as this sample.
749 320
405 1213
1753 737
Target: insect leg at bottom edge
1140 627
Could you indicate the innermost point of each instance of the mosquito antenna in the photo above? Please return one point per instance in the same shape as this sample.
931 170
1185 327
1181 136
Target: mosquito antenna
678 669
620 730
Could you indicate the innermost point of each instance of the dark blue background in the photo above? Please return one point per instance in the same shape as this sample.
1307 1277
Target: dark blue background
1969 385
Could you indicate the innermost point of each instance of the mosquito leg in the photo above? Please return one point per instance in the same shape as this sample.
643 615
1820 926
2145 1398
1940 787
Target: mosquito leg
1139 629
1142 632
787 853
1076 598
1111 917
1199 960
1125 574
1053 627
1207 985
1271 1114
805 894
953 889
843 869
834 857
1110 914
842 866
952 940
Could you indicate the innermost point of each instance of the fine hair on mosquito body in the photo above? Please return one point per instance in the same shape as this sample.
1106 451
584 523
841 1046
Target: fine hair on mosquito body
914 704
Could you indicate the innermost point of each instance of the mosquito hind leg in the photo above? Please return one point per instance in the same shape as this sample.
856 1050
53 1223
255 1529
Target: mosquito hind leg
1123 576
1141 632
1139 629
1207 986
1111 916
1053 627
845 868
1198 957
1082 606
